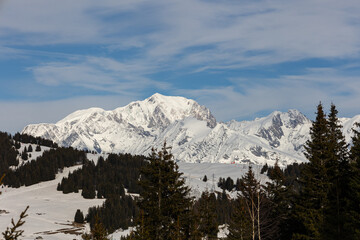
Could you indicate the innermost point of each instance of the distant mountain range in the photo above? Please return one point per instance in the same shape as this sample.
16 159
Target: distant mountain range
191 130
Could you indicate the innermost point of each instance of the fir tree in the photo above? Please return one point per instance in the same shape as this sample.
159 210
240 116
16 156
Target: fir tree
309 209
338 169
279 197
79 217
30 149
38 148
98 232
24 155
164 201
205 178
240 225
352 227
207 222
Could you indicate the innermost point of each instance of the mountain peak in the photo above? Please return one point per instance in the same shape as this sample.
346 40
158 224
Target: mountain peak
188 127
156 96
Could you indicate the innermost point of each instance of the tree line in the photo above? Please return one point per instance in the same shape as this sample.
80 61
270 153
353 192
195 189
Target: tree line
113 176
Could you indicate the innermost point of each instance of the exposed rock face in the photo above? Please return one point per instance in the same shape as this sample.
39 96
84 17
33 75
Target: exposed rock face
189 128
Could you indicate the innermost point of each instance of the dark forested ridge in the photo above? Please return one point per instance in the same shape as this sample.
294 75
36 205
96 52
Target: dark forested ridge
106 178
25 138
43 169
8 152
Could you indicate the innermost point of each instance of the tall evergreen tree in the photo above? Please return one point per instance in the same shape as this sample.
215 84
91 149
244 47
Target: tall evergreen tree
309 209
164 202
279 197
240 225
207 211
338 170
352 227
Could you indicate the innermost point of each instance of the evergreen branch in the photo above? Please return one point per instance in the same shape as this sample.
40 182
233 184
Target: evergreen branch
13 233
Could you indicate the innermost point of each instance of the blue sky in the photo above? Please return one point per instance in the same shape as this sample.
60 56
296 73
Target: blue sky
241 59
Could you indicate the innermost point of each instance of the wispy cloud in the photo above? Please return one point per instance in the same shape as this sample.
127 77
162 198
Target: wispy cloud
302 92
198 34
97 73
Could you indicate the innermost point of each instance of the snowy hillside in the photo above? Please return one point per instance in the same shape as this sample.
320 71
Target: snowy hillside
51 213
189 128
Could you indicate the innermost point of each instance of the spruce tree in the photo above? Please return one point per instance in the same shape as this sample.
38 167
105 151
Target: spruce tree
207 210
309 208
240 223
79 217
205 178
98 232
38 148
30 149
24 155
338 170
352 227
279 197
164 201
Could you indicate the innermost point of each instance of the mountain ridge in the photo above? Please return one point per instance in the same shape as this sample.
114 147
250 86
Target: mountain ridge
191 130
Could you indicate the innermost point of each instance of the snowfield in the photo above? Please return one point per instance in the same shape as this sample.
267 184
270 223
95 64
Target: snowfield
51 212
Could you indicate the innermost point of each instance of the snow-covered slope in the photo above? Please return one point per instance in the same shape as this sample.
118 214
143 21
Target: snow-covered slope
51 213
132 128
189 128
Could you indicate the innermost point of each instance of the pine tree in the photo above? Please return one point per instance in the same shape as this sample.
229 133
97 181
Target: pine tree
205 178
338 170
38 148
79 217
24 155
164 201
30 149
98 232
279 197
240 225
352 227
207 222
309 209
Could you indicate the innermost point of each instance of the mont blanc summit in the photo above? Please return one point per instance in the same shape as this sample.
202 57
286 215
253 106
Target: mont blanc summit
191 130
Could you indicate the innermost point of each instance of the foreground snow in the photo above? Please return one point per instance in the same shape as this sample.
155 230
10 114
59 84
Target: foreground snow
51 212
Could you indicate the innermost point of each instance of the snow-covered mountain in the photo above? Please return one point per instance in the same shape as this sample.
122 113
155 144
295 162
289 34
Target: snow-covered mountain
189 128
